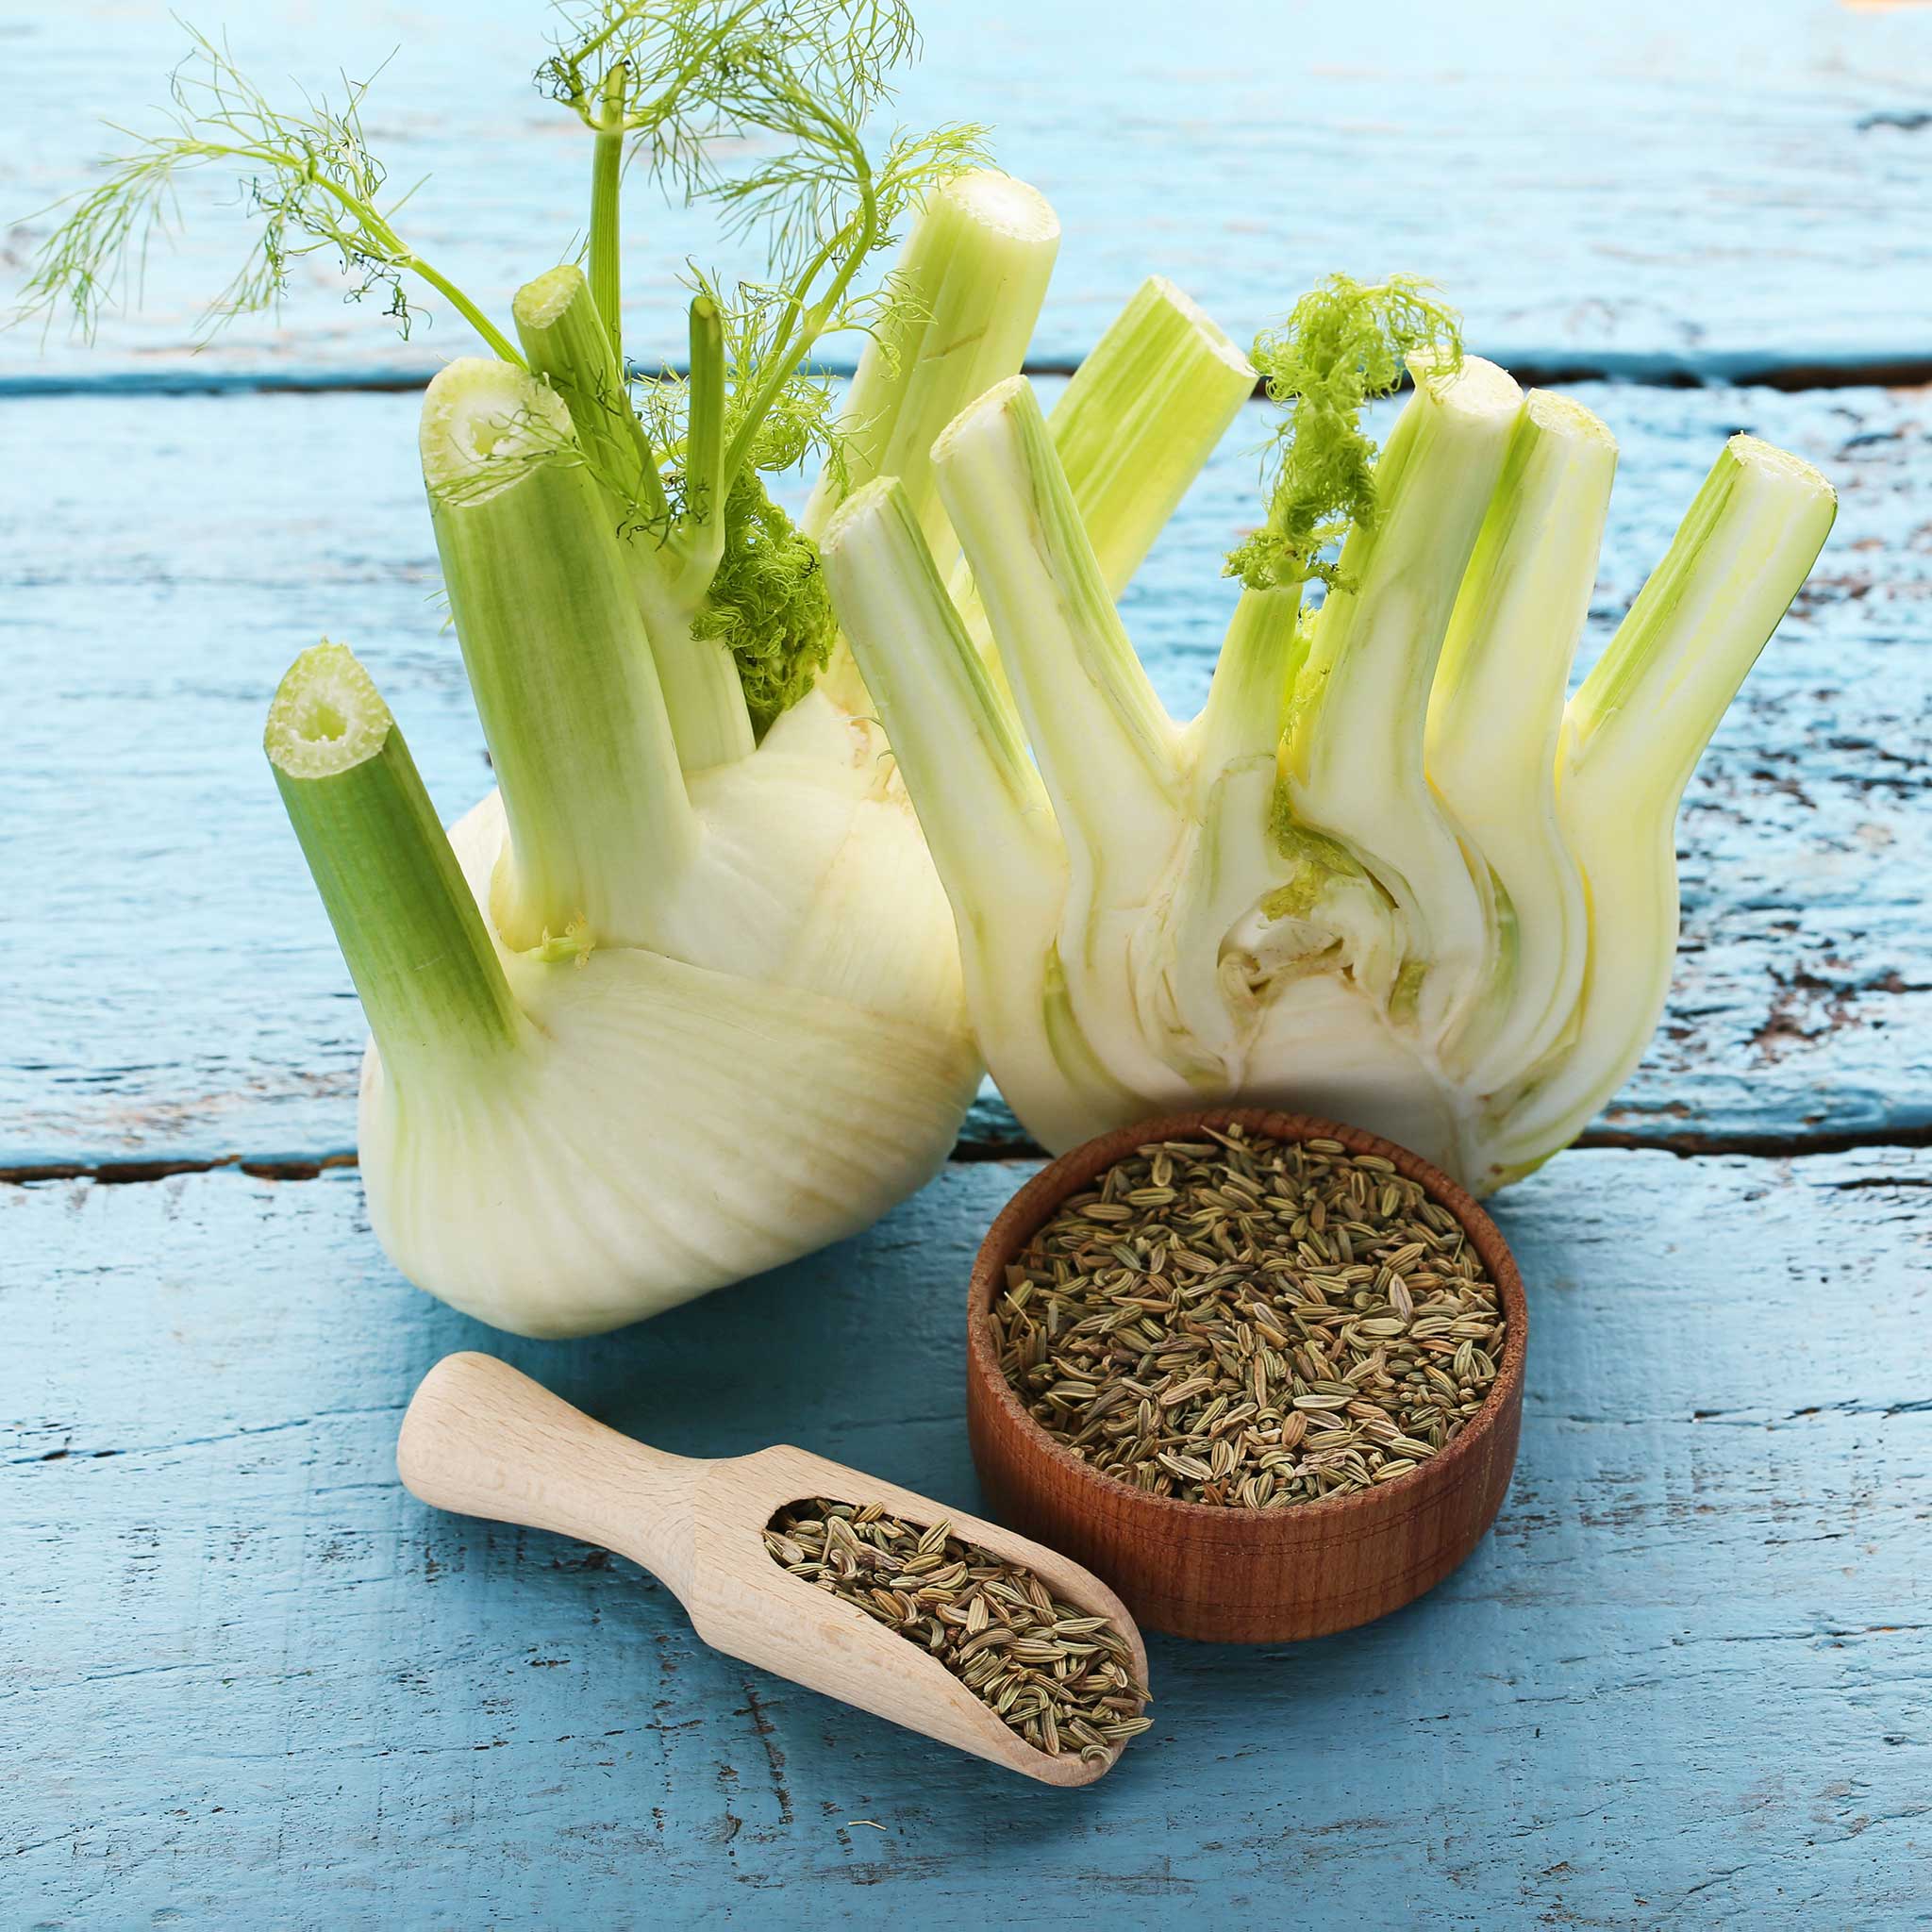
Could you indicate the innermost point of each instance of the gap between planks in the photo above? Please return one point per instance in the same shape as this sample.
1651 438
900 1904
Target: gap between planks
1532 370
1686 1146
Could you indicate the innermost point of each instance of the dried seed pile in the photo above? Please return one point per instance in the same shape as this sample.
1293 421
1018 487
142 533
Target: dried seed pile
1250 1322
1060 1679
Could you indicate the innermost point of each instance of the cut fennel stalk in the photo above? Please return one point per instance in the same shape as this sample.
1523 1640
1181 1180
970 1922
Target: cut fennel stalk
1386 875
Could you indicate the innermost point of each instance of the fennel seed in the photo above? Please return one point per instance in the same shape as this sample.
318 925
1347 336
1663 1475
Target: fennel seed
1250 1322
1060 1679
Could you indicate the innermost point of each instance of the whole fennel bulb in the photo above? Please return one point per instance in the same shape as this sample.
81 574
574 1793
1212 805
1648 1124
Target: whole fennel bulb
685 1002
682 999
1388 875
701 1018
562 1141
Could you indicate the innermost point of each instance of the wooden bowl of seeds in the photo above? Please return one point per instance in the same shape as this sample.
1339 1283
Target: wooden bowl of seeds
1260 1371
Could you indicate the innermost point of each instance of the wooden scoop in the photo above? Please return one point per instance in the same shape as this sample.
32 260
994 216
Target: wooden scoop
484 1441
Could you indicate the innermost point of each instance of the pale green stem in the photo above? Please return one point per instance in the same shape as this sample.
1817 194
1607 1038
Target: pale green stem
1106 747
388 243
564 682
1235 861
803 322
1108 752
986 816
1352 756
1631 738
565 340
1247 702
702 691
498 344
972 276
1144 411
431 985
1494 719
606 237
704 456
980 802
1133 428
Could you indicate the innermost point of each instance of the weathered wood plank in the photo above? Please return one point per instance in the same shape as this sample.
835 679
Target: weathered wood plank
247 1680
173 993
1638 189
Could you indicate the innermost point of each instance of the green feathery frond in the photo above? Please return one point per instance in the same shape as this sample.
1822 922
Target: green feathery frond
1344 344
307 175
685 76
769 604
696 86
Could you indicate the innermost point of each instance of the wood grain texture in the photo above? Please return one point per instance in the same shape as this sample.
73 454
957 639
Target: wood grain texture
1225 1576
182 998
247 1679
1638 189
484 1439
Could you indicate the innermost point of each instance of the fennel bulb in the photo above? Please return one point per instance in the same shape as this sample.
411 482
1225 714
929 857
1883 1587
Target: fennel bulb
559 1141
681 999
1386 875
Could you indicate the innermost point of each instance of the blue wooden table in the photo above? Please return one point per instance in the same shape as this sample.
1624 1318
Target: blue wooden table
245 1680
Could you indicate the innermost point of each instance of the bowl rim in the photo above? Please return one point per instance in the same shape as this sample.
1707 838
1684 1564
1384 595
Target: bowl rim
1033 1204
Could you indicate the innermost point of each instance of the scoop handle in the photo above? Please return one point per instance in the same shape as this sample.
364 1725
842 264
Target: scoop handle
482 1439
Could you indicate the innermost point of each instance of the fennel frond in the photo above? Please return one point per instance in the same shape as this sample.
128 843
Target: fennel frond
305 175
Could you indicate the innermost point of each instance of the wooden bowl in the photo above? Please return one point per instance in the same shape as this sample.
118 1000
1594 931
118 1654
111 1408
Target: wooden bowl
1233 1576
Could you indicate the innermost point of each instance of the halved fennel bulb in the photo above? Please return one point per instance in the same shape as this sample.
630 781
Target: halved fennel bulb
1386 875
